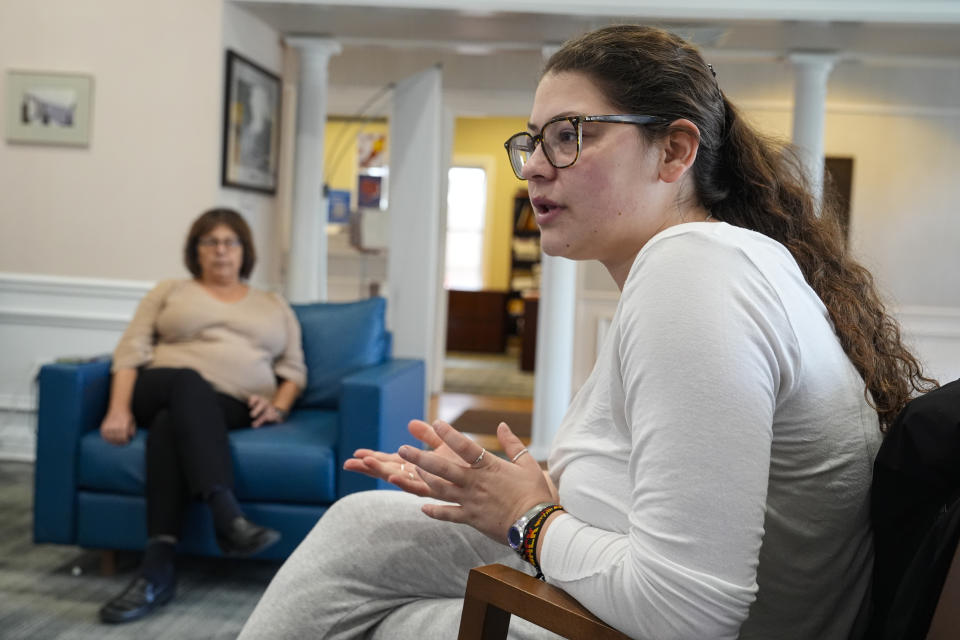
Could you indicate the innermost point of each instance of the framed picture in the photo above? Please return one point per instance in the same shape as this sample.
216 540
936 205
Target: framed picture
251 126
338 206
369 191
49 108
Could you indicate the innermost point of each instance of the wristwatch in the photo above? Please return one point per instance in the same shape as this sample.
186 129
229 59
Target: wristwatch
281 413
518 529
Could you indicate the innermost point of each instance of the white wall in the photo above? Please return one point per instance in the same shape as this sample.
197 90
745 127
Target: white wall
120 207
85 231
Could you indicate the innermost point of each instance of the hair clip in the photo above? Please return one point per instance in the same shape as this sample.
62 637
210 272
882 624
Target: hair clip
710 66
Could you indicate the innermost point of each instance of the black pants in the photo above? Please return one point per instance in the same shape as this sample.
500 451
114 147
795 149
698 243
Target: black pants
188 453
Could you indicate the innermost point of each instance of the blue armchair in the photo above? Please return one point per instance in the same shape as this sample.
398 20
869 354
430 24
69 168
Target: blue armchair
91 493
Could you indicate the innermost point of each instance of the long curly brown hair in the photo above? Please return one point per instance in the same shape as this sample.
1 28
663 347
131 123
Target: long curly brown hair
755 182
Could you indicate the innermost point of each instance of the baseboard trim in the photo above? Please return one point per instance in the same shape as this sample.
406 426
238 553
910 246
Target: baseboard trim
17 403
35 283
17 456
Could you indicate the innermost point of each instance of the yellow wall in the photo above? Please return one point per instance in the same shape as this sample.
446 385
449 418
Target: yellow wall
476 142
483 138
340 152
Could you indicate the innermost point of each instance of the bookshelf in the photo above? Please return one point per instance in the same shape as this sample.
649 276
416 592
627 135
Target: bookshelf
524 261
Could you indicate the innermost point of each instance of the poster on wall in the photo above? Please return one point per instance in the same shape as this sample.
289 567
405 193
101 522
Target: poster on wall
371 150
369 191
251 126
338 207
49 108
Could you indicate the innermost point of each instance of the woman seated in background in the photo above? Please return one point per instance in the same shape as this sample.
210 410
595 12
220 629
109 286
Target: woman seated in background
710 479
201 356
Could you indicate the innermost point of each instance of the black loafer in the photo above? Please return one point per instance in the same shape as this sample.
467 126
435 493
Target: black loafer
245 538
139 598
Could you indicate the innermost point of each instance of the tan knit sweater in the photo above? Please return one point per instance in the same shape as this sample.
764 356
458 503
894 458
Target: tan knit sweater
239 347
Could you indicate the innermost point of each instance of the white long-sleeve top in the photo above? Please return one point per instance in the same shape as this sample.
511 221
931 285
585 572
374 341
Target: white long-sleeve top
715 467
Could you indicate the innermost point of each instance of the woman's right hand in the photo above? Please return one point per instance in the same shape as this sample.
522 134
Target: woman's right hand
118 427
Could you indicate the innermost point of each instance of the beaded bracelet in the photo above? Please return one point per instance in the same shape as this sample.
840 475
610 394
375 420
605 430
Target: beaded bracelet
532 533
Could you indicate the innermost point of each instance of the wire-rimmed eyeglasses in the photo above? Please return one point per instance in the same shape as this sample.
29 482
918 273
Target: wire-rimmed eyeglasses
213 243
561 139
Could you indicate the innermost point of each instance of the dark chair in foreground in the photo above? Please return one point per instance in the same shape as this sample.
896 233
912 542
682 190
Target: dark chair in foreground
91 493
916 519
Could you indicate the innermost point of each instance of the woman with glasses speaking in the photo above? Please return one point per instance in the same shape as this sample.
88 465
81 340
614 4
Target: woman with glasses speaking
201 356
710 478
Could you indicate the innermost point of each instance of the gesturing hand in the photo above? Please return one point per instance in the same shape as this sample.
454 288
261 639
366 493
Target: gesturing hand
487 492
394 469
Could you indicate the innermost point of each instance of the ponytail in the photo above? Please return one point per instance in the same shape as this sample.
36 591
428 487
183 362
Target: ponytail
765 189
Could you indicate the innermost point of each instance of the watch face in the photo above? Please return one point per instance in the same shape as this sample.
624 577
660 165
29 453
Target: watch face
514 537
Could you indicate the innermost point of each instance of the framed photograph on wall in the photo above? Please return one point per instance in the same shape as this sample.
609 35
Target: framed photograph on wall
49 108
369 191
251 126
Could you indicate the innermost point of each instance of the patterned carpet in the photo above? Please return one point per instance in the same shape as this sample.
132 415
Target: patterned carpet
53 592
486 374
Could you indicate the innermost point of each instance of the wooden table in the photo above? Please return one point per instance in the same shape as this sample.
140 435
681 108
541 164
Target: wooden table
477 321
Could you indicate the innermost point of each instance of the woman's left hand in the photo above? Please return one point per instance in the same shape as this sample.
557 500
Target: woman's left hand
262 411
489 493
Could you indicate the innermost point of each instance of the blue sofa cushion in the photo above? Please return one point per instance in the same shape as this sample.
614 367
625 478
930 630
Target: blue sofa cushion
338 339
292 462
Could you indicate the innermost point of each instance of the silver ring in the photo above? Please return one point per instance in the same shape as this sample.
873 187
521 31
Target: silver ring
410 473
402 465
479 458
517 457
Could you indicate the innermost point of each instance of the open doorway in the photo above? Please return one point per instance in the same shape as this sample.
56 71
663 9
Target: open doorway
483 380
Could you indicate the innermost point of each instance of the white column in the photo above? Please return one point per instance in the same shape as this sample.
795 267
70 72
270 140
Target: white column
811 70
415 184
307 262
435 383
554 359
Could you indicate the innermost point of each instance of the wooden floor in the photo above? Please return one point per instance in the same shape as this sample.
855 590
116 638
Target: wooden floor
448 406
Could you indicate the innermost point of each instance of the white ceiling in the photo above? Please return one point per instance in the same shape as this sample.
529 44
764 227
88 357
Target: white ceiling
491 51
859 29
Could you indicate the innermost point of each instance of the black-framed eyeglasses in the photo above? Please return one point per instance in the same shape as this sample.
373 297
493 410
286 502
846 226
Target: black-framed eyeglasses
561 139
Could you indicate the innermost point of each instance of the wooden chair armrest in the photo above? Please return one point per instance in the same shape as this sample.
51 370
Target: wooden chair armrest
495 591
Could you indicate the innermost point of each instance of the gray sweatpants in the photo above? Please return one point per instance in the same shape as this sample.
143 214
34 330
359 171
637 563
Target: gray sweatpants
376 567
